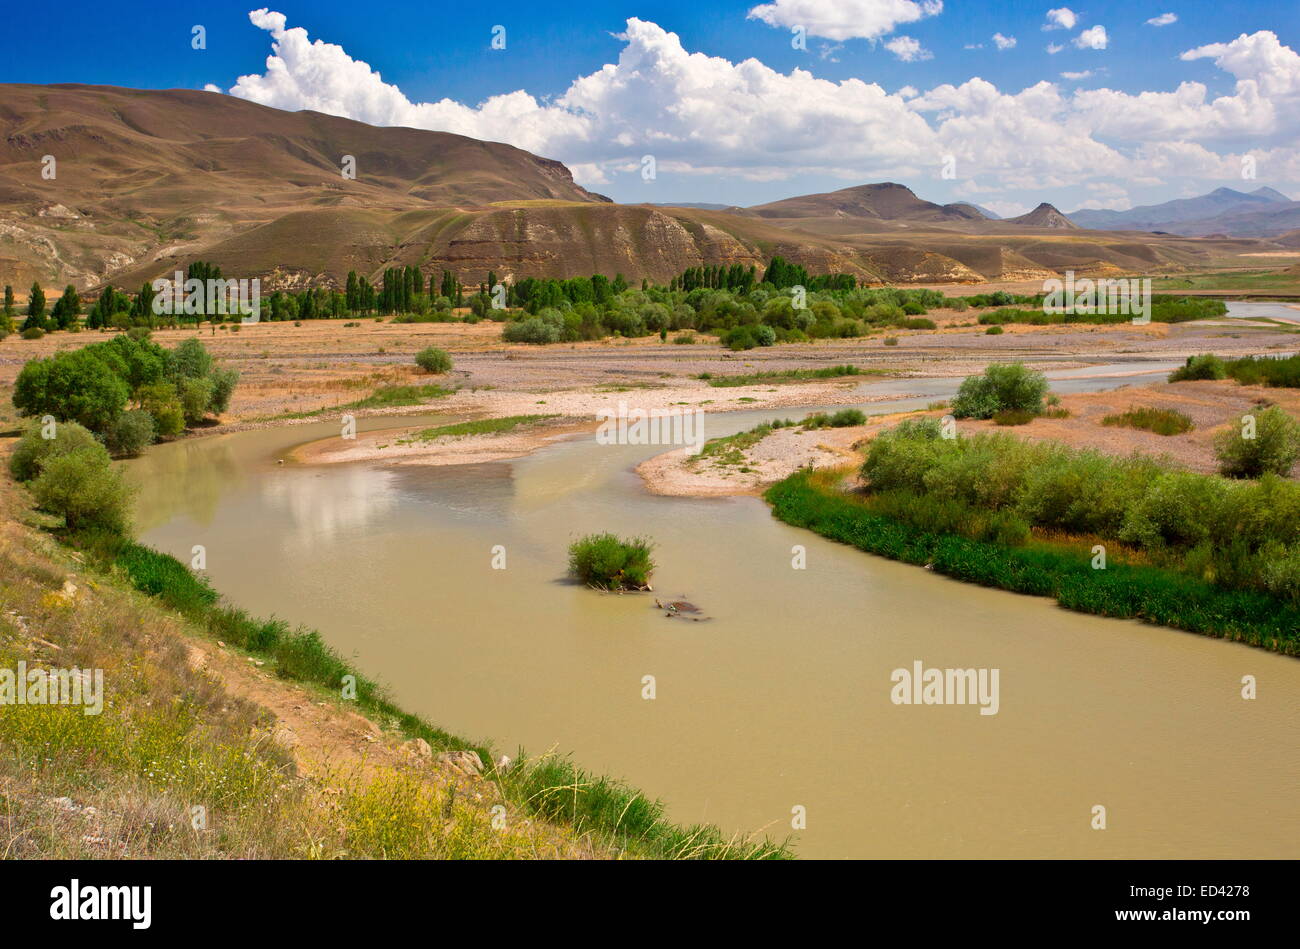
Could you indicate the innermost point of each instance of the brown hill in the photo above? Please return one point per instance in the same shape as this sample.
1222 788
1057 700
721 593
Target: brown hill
883 202
148 181
1044 216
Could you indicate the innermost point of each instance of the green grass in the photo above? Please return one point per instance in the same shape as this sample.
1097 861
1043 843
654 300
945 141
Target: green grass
395 395
1122 590
789 375
730 449
487 426
1159 421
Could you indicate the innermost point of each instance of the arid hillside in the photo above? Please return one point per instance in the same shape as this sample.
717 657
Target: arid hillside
108 185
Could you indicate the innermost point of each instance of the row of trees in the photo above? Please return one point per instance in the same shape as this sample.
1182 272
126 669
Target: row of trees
404 292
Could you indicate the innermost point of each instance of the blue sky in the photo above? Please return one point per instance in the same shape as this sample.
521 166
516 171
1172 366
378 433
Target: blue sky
723 131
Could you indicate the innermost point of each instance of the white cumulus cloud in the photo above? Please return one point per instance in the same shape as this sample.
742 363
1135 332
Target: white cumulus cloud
1003 42
907 49
845 19
1062 18
1163 19
1092 38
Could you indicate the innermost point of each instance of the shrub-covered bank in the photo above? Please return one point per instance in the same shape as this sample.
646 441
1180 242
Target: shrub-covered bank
1126 591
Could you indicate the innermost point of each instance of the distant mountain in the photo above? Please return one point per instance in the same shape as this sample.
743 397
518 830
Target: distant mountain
698 205
992 216
887 201
1270 193
1044 216
1260 213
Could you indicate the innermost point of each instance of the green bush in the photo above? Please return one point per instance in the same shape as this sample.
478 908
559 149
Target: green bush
607 562
34 449
190 360
532 330
84 487
32 332
1274 448
73 387
748 336
994 331
161 402
132 433
195 395
1283 371
1001 387
1204 366
223 387
433 360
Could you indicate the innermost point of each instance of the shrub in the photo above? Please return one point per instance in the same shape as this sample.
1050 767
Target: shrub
845 418
891 340
132 433
748 336
1001 387
195 395
85 489
993 331
73 387
190 360
684 339
532 330
1204 366
223 387
32 332
1274 448
433 360
605 561
33 449
1160 421
161 402
1281 371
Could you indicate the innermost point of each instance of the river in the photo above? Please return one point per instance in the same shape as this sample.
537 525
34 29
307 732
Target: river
782 699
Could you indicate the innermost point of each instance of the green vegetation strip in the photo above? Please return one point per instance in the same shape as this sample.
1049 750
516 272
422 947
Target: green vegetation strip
789 375
1124 591
1159 421
389 396
487 426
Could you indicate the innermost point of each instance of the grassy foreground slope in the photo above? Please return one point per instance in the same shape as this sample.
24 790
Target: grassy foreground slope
204 749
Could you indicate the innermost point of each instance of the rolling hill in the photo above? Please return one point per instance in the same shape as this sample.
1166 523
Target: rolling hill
147 181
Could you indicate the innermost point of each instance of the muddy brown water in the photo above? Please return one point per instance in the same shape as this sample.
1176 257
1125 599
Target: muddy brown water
782 700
